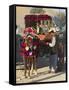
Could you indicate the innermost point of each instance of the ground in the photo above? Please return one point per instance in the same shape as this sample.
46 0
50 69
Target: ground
42 76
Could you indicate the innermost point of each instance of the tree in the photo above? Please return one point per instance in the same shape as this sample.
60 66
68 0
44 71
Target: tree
60 22
37 10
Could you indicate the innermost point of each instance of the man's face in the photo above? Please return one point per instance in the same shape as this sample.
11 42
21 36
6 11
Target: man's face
52 33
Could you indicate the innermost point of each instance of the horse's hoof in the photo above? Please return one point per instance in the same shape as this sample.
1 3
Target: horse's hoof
49 71
28 77
35 73
25 76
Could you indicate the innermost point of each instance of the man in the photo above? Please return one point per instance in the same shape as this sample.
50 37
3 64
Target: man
53 52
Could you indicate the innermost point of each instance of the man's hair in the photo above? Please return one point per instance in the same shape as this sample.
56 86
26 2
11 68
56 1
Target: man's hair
51 31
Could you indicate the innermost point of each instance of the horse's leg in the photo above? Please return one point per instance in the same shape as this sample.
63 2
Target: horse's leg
34 65
25 67
29 67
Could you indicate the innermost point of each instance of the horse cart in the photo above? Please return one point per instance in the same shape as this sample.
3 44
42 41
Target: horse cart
34 41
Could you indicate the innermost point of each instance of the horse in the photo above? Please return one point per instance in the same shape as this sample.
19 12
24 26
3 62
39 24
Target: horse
29 55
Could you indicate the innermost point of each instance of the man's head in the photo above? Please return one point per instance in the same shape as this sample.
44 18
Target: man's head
52 31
